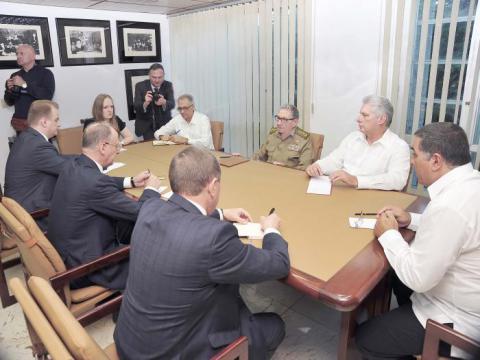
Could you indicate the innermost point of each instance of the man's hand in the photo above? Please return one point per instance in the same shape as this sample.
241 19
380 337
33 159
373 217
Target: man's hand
140 179
314 170
10 84
153 181
177 139
403 217
237 215
161 101
270 221
341 175
385 221
148 99
165 137
18 80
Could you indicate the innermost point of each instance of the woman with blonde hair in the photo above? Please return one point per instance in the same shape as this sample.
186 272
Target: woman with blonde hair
104 110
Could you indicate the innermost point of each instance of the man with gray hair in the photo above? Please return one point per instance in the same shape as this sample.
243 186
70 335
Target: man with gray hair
440 270
287 144
90 215
372 157
182 298
188 127
30 83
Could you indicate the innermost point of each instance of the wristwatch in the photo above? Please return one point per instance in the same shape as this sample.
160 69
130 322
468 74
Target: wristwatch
24 85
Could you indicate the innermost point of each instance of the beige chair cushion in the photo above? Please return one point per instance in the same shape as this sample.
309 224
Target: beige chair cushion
75 337
70 140
317 145
217 134
89 292
39 322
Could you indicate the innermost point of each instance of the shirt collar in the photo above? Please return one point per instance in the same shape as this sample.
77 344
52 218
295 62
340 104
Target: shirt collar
199 207
383 140
43 135
453 175
291 134
191 121
100 167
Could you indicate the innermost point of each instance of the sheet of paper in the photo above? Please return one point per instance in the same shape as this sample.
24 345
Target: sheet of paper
114 166
250 230
123 149
162 142
362 223
320 185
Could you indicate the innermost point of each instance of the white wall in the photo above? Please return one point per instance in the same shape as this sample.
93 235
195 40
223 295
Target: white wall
77 86
346 62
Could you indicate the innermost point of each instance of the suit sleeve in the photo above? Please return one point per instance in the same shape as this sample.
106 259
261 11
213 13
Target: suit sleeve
43 89
47 159
138 100
169 96
231 261
8 96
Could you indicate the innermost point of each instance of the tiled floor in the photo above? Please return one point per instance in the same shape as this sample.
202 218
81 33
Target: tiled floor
312 329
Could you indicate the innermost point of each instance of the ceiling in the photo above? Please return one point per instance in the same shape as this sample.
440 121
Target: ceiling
166 7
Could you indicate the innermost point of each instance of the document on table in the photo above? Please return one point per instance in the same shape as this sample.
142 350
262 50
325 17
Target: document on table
319 185
115 165
162 142
362 223
122 149
250 230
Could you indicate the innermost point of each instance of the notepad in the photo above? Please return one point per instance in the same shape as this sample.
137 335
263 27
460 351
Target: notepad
162 142
320 185
250 230
115 165
362 223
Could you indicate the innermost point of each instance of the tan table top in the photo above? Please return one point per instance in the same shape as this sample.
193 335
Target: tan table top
322 246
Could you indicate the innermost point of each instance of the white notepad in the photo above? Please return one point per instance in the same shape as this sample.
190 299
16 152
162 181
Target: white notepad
362 223
115 165
319 185
162 142
250 230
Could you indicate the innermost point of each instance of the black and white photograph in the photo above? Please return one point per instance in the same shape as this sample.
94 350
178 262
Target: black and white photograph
132 77
16 30
84 42
138 42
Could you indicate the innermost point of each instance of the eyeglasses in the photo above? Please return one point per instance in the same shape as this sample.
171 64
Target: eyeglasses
279 119
117 146
181 108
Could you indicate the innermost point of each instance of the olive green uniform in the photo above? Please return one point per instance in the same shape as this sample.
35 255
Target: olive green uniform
295 151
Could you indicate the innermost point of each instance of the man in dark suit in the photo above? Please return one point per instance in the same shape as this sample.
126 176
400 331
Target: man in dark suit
90 216
33 163
182 298
154 101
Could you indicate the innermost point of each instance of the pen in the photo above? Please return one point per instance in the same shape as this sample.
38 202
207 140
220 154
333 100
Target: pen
272 210
366 214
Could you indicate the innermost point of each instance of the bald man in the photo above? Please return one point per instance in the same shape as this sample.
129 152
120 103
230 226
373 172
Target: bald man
32 82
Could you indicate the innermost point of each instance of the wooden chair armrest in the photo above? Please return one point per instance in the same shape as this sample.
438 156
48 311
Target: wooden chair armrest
38 214
436 332
236 350
109 307
59 280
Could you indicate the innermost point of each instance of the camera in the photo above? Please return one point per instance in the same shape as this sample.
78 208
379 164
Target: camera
156 95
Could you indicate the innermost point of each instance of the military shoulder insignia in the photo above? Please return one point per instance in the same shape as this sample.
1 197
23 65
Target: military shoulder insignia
273 130
302 133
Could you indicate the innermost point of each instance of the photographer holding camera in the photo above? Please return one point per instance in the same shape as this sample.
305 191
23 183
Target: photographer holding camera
154 101
32 82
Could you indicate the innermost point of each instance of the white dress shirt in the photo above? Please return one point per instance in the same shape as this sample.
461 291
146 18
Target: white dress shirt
384 165
197 131
442 264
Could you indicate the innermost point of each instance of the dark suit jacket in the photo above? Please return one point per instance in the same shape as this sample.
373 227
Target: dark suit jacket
182 299
32 169
144 120
85 208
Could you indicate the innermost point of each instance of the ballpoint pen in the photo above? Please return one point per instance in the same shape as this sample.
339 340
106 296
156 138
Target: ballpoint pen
272 210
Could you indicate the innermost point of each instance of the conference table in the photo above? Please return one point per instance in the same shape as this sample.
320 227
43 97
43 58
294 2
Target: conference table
340 266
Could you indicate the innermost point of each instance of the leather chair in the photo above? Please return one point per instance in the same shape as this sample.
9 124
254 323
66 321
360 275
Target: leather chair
436 332
317 145
69 140
217 134
63 335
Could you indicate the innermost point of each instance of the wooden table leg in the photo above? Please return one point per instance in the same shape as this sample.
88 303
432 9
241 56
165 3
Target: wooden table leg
346 333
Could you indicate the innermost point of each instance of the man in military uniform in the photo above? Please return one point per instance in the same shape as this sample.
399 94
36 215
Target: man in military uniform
287 144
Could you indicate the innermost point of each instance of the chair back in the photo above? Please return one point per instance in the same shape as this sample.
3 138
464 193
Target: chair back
70 140
39 322
39 257
317 145
217 134
79 343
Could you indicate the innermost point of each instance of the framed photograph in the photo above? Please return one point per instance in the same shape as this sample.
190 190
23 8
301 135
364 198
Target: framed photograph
84 42
138 42
132 77
16 30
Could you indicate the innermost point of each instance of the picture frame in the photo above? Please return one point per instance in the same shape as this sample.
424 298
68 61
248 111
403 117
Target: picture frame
132 77
138 42
84 42
16 30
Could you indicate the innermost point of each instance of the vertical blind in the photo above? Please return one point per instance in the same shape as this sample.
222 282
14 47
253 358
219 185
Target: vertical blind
242 62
